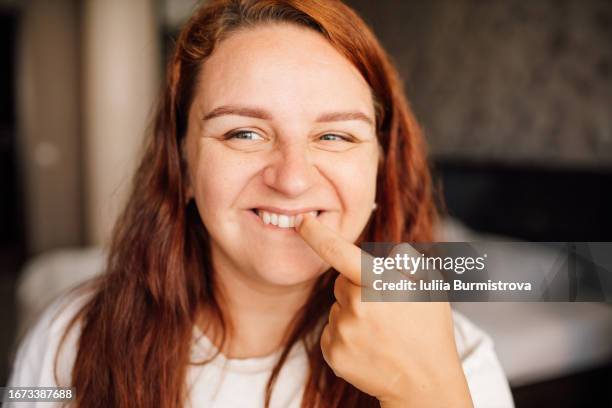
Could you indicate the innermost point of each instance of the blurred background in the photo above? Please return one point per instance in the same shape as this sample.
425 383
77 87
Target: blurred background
515 98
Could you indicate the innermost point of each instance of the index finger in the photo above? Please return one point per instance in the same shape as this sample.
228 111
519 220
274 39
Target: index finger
341 254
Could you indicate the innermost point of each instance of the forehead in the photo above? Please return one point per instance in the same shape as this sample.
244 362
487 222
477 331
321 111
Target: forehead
284 68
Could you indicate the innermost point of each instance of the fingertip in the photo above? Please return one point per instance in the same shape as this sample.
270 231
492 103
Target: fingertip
299 220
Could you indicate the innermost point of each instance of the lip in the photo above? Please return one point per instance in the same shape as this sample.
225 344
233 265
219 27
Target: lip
285 211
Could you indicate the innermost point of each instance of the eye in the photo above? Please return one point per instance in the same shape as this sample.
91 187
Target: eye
332 137
244 135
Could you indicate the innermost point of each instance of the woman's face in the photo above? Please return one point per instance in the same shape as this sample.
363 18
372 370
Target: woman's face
281 124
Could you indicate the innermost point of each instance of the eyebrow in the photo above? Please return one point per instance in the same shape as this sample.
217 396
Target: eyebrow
258 113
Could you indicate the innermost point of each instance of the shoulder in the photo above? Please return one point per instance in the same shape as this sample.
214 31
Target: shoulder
485 376
34 363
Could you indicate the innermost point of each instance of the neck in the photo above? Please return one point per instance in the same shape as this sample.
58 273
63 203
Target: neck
258 315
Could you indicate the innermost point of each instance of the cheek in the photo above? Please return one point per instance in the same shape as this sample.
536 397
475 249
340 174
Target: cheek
354 180
219 178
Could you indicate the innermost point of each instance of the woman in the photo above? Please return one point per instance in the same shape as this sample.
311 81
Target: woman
282 140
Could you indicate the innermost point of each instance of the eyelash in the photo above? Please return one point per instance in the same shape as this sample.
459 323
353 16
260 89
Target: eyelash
234 134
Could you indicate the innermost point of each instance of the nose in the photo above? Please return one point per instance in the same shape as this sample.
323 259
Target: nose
291 173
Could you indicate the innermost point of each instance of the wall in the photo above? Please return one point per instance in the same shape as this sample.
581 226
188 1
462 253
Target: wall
508 81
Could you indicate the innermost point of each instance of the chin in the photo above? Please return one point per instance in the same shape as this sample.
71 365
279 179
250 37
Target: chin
280 272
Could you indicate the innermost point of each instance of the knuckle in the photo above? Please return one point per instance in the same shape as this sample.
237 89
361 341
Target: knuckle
325 339
330 352
355 305
326 346
337 286
342 331
333 316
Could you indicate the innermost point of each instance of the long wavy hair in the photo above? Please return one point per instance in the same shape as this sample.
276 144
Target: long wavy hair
137 328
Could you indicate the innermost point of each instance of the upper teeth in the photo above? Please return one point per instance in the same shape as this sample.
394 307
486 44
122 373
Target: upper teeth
280 220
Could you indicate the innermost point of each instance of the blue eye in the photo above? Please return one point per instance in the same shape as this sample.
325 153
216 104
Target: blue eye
244 135
333 137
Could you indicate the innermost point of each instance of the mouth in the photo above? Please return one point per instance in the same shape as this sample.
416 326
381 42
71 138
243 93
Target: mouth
280 218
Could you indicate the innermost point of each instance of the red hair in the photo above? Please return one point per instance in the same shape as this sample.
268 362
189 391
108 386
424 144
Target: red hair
137 327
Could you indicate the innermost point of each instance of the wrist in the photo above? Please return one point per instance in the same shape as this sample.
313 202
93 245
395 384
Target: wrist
448 387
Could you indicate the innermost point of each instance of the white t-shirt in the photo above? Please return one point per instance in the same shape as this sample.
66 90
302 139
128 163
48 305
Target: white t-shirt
229 383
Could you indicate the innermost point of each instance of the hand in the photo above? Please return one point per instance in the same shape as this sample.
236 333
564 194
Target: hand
402 353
